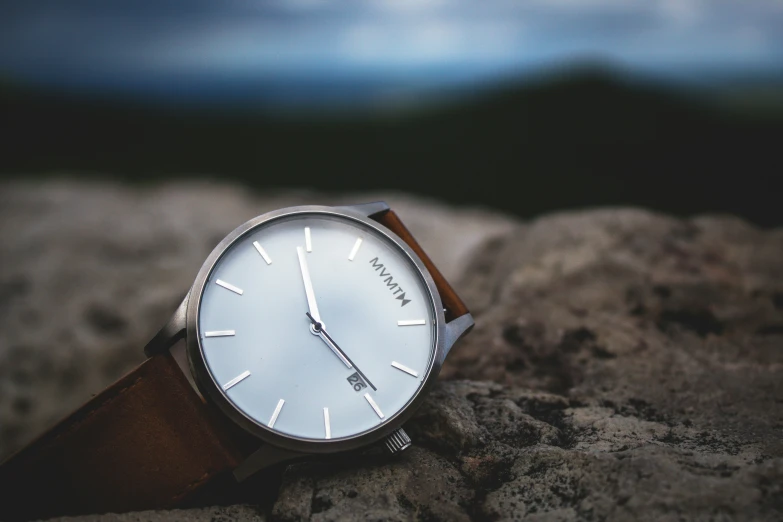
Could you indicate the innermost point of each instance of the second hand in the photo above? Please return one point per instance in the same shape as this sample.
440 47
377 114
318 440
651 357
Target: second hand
317 326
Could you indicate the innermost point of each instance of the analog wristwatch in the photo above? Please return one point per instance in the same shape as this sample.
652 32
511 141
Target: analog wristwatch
309 331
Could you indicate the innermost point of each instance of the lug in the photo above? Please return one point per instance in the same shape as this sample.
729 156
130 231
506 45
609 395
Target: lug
264 457
397 442
368 209
173 331
455 330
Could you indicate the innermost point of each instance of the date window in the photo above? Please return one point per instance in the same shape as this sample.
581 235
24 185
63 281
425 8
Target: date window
357 382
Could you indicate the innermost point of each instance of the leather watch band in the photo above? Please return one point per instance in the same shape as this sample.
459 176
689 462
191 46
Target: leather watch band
451 301
148 441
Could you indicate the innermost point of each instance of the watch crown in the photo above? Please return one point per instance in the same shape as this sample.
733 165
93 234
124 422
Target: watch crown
398 441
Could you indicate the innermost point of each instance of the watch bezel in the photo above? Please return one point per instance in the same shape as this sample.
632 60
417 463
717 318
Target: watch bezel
210 389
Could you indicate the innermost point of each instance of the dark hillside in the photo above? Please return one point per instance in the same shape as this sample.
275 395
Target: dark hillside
585 139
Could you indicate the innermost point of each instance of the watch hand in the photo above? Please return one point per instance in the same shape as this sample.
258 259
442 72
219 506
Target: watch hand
313 306
308 284
319 327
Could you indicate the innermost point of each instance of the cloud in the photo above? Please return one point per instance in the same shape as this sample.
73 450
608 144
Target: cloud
95 39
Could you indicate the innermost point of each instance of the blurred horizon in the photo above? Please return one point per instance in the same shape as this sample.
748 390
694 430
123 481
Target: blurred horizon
525 107
356 54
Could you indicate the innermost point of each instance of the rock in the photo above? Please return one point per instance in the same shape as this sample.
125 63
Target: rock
625 365
419 484
238 513
492 452
669 321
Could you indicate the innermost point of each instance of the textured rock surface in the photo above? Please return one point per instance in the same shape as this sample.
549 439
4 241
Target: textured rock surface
240 513
625 365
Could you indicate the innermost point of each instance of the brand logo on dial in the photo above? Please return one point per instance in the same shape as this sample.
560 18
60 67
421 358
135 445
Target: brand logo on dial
395 288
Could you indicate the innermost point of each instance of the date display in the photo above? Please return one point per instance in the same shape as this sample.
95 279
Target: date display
357 382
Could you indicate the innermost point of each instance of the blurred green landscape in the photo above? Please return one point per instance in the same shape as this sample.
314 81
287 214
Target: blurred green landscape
586 138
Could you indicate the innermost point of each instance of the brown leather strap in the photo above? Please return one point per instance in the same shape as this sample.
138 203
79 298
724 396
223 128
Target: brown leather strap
148 441
451 301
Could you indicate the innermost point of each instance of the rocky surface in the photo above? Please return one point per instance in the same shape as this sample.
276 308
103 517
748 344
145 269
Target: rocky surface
239 513
625 365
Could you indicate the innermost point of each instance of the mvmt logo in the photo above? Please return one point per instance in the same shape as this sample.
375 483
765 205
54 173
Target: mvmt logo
394 287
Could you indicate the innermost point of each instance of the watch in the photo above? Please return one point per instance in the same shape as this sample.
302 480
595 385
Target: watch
309 332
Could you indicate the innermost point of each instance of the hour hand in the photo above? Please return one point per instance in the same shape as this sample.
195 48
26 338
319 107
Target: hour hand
308 285
317 329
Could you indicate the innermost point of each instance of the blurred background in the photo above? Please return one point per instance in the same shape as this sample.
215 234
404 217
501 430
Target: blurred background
181 119
523 106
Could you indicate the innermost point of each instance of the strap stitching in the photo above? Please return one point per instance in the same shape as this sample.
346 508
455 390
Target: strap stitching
189 487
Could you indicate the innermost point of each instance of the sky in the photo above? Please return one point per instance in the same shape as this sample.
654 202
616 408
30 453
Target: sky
238 47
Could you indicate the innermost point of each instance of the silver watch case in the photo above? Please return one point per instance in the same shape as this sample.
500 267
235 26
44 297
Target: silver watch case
446 335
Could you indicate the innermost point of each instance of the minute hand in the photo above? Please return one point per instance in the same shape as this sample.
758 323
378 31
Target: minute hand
321 331
308 285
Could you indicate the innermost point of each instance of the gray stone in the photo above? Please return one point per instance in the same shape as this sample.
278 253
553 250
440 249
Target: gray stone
625 365
419 484
678 322
543 457
237 513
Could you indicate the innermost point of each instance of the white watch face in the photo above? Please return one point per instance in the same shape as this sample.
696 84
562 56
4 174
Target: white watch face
353 363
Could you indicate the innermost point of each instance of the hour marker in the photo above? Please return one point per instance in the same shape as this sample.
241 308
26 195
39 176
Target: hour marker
404 369
374 406
411 322
262 252
327 425
220 333
276 413
236 380
308 241
355 249
231 287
